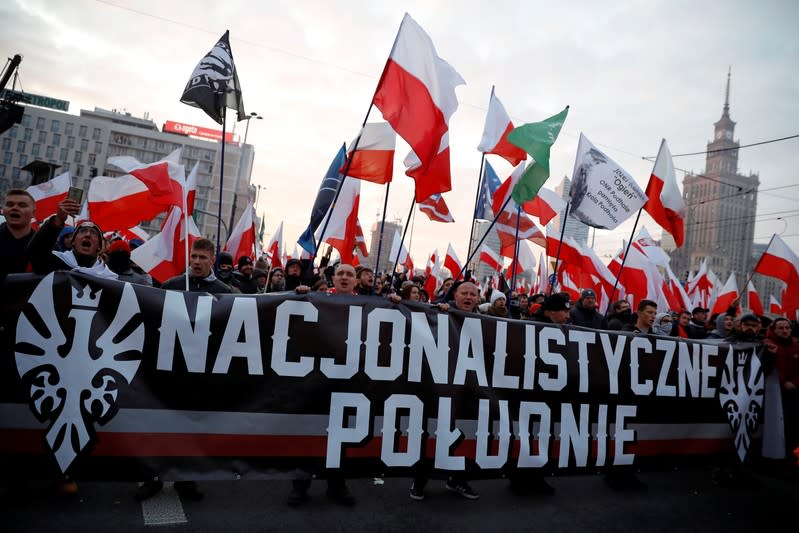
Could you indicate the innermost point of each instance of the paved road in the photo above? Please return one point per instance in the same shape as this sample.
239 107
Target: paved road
676 501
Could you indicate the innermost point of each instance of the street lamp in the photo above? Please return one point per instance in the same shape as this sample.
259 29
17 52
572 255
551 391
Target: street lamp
249 117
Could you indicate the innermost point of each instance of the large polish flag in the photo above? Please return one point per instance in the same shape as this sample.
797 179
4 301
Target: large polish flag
664 201
490 258
779 261
436 209
773 305
432 271
416 94
164 255
437 178
49 194
727 294
242 239
275 248
452 262
360 241
165 179
191 188
755 305
373 159
508 217
546 205
120 202
341 229
495 133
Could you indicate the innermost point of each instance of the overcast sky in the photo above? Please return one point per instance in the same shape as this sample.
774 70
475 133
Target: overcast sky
633 72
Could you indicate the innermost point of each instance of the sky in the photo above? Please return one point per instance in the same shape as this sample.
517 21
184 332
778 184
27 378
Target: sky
632 72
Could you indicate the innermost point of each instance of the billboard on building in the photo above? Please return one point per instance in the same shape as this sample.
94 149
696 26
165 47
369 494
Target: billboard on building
196 131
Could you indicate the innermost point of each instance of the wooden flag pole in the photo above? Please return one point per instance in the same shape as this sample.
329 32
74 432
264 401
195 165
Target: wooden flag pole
623 260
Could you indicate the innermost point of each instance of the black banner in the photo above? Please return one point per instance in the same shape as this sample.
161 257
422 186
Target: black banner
107 380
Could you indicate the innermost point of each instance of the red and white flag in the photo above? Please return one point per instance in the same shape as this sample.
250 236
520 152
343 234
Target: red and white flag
436 178
164 255
664 201
136 232
274 251
121 202
374 158
524 260
432 271
399 253
165 179
341 229
773 305
546 205
436 209
508 218
452 263
191 188
491 258
416 95
242 239
779 261
755 305
647 245
727 294
495 133
543 275
360 241
49 194
679 291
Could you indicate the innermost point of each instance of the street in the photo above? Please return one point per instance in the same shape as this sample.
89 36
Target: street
684 500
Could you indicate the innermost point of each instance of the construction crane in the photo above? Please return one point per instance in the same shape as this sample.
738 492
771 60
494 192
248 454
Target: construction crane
10 112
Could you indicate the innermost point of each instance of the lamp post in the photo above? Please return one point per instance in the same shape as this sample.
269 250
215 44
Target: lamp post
238 173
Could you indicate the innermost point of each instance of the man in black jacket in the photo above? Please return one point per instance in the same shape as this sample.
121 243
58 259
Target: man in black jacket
16 231
585 312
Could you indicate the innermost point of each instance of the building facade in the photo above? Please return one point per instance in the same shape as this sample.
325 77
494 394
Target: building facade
720 209
82 144
384 262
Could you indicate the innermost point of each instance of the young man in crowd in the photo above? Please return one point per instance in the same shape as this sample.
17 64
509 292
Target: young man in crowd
585 312
243 275
16 232
697 328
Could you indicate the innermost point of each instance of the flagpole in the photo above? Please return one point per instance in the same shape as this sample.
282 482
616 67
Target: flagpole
480 186
380 236
560 244
754 268
515 249
402 239
221 188
623 260
186 235
485 235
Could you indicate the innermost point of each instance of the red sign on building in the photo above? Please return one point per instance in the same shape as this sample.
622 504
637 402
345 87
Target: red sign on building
196 131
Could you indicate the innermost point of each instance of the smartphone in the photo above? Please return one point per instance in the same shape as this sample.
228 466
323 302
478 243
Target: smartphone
76 194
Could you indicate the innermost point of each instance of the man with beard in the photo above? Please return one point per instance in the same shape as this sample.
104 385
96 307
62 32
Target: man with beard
87 242
243 276
16 232
277 280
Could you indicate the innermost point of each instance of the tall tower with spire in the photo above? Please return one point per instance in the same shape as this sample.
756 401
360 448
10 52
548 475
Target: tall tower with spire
720 208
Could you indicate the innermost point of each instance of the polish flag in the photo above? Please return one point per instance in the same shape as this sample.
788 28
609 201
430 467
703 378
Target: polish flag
191 188
495 133
755 305
120 202
543 274
678 290
436 209
779 261
416 95
343 220
360 241
432 271
136 232
165 179
647 245
665 203
635 277
727 294
399 253
274 251
242 239
524 260
49 194
432 180
490 258
452 262
568 286
546 205
164 255
508 218
773 305
373 160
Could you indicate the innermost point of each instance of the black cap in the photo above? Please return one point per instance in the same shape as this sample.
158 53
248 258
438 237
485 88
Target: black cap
244 260
587 293
699 310
292 262
556 302
749 317
225 259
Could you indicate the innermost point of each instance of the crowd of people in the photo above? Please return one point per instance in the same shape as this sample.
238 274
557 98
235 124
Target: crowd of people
85 248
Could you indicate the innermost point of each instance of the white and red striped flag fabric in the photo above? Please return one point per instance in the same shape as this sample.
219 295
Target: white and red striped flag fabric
360 241
495 133
373 160
452 262
274 250
490 258
432 272
242 239
779 261
416 95
773 305
754 303
664 201
164 255
546 205
49 194
524 260
727 294
165 179
120 202
436 209
342 228
508 218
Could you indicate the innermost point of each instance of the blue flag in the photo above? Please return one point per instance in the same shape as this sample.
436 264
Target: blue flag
327 192
488 186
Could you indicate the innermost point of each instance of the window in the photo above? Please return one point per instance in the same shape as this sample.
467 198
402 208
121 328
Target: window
83 131
64 154
15 173
77 157
84 145
98 147
50 152
79 172
96 133
21 146
42 136
26 121
23 160
35 149
92 159
69 128
40 123
70 142
7 143
3 170
86 183
7 158
28 134
57 139
13 132
55 127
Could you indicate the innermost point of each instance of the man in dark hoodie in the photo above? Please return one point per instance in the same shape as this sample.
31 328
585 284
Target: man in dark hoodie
621 314
16 232
224 271
585 312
